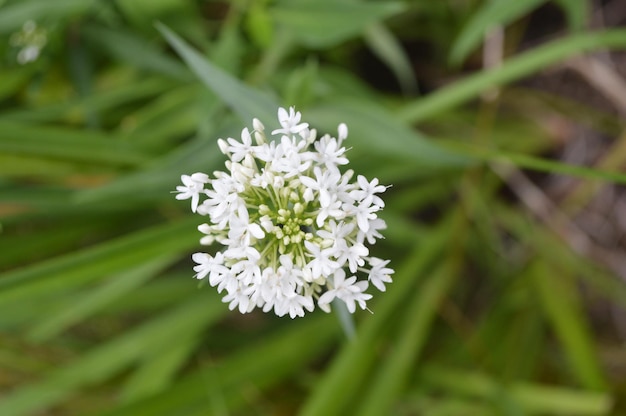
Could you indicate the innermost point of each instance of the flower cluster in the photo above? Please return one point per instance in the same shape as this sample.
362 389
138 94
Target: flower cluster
293 226
30 41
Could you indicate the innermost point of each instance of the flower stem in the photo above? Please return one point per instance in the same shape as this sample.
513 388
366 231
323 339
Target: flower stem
345 318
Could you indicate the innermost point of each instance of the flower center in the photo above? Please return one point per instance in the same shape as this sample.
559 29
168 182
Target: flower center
292 226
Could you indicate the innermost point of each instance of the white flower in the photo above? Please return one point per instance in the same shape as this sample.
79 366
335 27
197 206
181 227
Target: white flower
348 290
372 233
211 266
290 122
295 306
329 152
31 39
236 150
321 265
289 221
322 183
353 254
368 190
192 187
379 274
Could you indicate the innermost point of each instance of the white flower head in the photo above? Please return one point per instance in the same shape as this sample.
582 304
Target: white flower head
290 222
30 40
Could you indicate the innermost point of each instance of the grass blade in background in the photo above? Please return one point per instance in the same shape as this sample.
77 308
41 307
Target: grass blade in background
511 70
387 48
351 367
323 23
112 357
490 15
245 101
391 379
559 299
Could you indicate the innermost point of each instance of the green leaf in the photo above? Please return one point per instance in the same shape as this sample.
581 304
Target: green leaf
388 49
112 357
62 143
158 369
108 99
75 269
93 299
532 398
321 24
560 300
535 163
511 70
375 131
245 101
342 380
218 388
13 16
137 52
576 12
393 374
492 13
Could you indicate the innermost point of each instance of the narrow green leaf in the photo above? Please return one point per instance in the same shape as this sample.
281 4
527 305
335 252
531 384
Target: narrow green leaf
393 374
343 378
532 398
511 70
93 299
14 15
560 301
576 12
321 24
161 176
172 115
158 370
255 365
62 143
112 357
385 45
374 131
74 109
534 163
69 271
137 52
245 101
491 14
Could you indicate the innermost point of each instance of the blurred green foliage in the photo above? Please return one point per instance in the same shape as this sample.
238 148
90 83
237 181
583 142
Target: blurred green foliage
489 312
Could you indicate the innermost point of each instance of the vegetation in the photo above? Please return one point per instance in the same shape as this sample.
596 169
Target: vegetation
499 124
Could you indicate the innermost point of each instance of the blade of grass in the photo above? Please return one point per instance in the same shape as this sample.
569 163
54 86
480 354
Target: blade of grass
68 144
94 262
324 23
376 131
260 364
512 69
93 299
383 43
533 162
390 381
560 301
14 15
345 374
158 370
490 14
532 398
74 109
110 358
247 102
136 52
